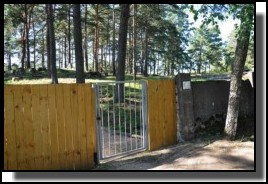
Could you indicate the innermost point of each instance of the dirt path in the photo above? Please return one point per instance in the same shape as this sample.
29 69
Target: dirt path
216 155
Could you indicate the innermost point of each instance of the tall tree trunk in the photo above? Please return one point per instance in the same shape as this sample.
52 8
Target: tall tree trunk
65 52
121 58
107 43
28 64
101 49
130 52
72 53
96 46
69 37
34 45
50 15
28 13
48 43
134 40
199 62
142 52
154 65
238 66
85 40
145 71
79 62
59 54
43 49
9 61
93 63
23 48
113 48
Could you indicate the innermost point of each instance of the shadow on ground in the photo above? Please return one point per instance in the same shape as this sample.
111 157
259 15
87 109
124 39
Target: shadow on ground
201 154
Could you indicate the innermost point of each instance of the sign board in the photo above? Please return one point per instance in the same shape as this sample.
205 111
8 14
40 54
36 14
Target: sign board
186 85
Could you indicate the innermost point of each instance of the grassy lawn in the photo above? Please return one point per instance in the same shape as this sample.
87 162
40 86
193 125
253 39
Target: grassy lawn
68 76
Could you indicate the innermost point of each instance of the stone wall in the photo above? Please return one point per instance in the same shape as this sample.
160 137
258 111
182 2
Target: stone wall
211 98
210 102
204 105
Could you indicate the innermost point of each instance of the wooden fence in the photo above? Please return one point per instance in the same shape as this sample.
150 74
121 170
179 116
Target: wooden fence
161 113
49 127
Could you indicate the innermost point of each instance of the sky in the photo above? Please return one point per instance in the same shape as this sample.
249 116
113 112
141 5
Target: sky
226 26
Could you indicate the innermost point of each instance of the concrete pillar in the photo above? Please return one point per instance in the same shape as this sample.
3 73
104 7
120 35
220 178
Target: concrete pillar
185 114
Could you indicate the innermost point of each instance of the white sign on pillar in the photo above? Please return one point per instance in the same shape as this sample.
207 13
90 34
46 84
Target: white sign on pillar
186 85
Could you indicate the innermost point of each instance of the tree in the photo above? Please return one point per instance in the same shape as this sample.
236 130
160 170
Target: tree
79 62
245 14
205 47
52 46
120 71
85 39
246 17
113 47
134 40
96 39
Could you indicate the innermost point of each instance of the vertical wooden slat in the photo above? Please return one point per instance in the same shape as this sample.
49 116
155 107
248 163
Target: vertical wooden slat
173 135
38 140
45 125
152 121
53 126
82 126
93 121
61 126
75 128
166 113
161 96
5 136
69 126
161 113
170 113
39 122
89 124
10 130
18 95
28 128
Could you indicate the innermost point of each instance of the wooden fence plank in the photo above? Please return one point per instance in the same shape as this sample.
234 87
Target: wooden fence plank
38 140
18 95
93 121
61 126
166 113
53 126
28 128
161 113
173 128
82 126
69 127
44 122
76 130
162 119
45 126
152 121
10 129
90 124
5 137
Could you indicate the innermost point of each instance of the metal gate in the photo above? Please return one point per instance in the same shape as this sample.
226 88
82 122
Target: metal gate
121 111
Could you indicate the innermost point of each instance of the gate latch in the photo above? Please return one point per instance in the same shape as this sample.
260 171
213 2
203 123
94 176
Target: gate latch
98 118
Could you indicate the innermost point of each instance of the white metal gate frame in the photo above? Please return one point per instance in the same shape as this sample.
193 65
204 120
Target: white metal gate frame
100 120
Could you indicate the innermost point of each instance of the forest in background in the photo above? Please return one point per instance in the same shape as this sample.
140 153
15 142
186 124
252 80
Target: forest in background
160 39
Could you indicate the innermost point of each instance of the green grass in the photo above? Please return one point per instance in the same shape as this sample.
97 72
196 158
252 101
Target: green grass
121 112
68 76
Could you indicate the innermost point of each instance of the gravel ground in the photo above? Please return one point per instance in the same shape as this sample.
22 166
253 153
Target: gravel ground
198 155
